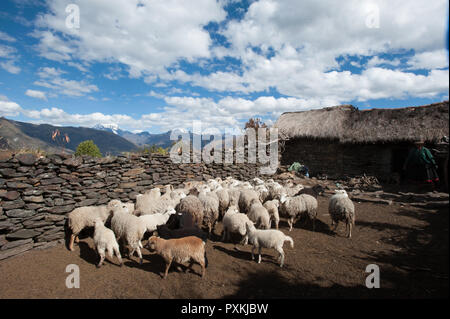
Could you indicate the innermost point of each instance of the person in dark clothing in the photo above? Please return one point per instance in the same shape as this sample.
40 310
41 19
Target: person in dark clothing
420 165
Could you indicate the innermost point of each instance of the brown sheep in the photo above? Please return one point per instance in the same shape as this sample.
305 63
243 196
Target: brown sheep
181 250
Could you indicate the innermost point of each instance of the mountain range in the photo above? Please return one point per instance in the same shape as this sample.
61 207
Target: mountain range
108 137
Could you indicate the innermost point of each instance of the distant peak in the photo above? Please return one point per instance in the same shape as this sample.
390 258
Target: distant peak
112 127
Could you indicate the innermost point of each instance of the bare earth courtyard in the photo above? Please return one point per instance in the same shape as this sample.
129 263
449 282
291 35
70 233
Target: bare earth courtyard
408 243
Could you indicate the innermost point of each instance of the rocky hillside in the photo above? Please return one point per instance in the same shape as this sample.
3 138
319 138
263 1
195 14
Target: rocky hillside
18 135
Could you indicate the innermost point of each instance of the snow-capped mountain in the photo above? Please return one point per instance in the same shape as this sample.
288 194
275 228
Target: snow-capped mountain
112 127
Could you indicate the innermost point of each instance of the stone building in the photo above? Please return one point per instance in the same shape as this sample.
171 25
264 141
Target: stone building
343 140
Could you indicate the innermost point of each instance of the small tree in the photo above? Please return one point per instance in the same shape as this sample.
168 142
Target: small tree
88 148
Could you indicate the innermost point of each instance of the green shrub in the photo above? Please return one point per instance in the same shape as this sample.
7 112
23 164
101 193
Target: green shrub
88 148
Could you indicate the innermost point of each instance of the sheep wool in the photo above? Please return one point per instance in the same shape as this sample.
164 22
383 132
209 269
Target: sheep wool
341 208
105 242
267 238
180 250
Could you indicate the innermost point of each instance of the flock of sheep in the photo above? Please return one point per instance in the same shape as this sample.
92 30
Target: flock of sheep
182 219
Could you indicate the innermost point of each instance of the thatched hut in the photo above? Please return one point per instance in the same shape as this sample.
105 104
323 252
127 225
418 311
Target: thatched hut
343 140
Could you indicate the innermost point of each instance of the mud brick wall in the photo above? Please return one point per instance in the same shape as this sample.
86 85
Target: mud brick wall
36 194
337 160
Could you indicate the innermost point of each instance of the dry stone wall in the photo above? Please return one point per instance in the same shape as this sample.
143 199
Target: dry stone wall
36 194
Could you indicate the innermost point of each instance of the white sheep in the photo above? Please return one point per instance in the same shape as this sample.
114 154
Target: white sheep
210 209
152 221
147 205
191 209
234 222
224 200
275 190
297 206
258 214
263 192
130 228
341 208
245 199
105 241
267 238
85 216
272 209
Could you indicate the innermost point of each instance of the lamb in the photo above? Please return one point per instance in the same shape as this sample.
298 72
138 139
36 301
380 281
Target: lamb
267 238
105 241
341 208
263 192
295 207
152 221
147 205
165 232
129 228
85 216
233 194
181 250
234 222
191 209
258 214
210 209
245 199
314 191
272 209
275 190
224 200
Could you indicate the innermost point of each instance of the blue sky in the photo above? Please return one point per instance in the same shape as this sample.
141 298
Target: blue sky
159 65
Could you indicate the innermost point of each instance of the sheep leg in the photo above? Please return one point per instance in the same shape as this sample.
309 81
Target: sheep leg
101 252
253 255
281 256
259 254
140 255
224 232
77 240
336 223
72 238
202 263
119 257
290 223
349 230
167 268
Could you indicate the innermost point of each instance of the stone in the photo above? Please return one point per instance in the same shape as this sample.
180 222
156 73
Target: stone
14 204
101 174
33 192
45 245
58 202
6 225
2 240
18 185
11 195
22 234
134 172
15 251
8 172
73 162
61 209
16 243
98 185
20 213
34 199
88 202
54 218
26 159
128 185
55 180
50 237
36 224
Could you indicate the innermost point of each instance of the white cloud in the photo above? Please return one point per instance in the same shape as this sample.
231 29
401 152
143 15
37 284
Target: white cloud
8 108
429 60
5 37
36 94
10 67
112 31
51 78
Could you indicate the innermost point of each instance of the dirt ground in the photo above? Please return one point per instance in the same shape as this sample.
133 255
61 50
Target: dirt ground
408 243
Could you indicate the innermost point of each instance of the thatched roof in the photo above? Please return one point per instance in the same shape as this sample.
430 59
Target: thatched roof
347 124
